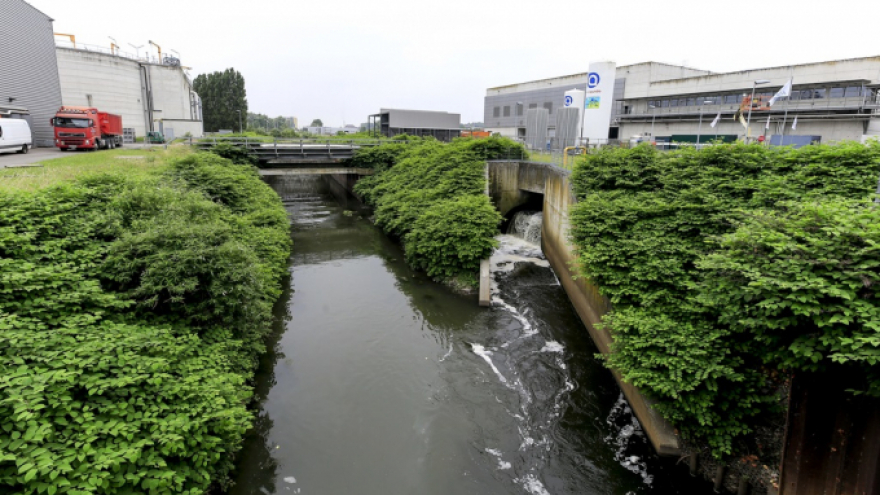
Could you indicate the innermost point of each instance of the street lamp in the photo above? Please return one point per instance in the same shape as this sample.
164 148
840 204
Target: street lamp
751 104
700 128
137 49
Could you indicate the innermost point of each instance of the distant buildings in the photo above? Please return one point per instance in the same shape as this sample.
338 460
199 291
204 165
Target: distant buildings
832 101
390 122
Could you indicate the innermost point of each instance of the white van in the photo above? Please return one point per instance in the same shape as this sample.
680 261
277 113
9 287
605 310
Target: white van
15 135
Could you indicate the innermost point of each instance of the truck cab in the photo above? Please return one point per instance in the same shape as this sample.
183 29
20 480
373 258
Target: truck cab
86 128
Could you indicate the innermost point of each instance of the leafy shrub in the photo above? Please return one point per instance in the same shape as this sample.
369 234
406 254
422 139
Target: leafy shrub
131 313
453 235
643 224
377 158
415 193
236 154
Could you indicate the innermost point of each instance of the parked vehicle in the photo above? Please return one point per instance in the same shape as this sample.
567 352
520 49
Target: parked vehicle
86 128
155 137
15 135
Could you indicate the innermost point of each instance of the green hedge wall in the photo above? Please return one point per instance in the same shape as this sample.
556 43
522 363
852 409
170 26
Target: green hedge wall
132 312
726 263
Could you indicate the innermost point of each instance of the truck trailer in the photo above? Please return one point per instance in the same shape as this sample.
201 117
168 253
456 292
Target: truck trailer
86 128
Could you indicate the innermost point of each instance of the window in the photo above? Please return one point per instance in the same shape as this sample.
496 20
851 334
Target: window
673 103
692 102
519 109
853 91
664 103
496 112
507 110
806 94
533 105
819 93
731 99
549 106
836 93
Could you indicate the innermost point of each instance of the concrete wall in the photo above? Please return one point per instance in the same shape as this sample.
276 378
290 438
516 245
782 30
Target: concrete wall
510 185
28 70
116 84
422 119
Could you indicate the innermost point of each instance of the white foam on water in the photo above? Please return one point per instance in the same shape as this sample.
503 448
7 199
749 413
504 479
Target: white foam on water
552 346
621 440
447 353
487 356
290 479
501 464
532 484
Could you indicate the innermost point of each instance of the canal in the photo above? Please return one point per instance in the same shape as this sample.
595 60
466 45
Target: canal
380 381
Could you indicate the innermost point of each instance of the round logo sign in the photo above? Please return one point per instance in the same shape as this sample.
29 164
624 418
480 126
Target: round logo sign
568 101
593 80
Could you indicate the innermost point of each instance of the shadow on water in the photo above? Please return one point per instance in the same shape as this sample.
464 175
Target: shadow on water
379 380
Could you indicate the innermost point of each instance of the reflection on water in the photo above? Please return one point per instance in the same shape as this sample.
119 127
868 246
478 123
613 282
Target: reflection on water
381 381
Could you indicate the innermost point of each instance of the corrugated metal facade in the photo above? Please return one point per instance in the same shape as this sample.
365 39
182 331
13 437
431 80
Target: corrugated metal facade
28 69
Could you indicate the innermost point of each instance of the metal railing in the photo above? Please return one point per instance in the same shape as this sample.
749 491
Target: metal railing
146 57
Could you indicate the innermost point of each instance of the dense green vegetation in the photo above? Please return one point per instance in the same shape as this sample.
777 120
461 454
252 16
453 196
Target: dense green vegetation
224 99
132 310
431 196
728 263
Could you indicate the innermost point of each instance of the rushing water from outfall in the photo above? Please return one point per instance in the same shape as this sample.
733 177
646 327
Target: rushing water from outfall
380 381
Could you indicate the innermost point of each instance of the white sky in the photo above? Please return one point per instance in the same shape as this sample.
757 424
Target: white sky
341 60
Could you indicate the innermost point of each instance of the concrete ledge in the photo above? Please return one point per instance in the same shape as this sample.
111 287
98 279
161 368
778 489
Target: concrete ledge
485 283
316 171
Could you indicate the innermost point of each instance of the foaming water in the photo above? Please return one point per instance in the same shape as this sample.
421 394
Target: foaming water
381 381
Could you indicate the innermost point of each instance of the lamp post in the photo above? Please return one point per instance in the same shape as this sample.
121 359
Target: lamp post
700 128
751 104
137 49
653 117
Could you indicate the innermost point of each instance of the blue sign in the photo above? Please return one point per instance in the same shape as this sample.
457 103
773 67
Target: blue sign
592 80
568 101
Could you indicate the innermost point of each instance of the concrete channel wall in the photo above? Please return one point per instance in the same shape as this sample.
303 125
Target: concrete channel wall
516 184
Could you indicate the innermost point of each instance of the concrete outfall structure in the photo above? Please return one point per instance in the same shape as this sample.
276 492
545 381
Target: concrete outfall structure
517 184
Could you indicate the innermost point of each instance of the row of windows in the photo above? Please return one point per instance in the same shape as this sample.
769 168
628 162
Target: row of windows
505 111
735 99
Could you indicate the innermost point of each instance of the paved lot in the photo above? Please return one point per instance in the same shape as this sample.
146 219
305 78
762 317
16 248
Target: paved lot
40 154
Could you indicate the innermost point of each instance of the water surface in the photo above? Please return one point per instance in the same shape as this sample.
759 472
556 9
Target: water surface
381 381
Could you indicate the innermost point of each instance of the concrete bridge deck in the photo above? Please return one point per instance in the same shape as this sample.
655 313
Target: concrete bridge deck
291 151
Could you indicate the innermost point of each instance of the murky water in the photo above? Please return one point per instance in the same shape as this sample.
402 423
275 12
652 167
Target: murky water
383 382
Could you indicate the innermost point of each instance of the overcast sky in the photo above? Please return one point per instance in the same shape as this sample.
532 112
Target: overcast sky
342 60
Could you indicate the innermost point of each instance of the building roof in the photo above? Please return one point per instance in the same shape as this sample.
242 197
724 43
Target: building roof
584 74
875 58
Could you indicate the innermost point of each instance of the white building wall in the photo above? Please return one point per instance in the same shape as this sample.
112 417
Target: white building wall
115 85
844 130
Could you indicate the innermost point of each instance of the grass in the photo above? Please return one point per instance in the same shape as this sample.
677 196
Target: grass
79 164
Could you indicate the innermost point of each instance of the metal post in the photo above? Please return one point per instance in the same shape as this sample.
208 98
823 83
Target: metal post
653 118
749 120
700 127
785 118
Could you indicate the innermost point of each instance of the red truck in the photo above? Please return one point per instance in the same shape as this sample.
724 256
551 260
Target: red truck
86 128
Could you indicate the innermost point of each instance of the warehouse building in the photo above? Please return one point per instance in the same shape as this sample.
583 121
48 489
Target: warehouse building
832 101
150 96
390 122
29 85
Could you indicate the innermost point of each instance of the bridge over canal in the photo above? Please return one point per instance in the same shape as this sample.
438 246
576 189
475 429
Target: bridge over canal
285 152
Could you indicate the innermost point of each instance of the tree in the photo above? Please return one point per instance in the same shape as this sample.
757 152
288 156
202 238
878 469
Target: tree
223 95
317 123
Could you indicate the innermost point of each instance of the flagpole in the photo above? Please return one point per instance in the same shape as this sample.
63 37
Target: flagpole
785 118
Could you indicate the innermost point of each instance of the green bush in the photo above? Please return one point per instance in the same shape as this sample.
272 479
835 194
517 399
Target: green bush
236 154
453 235
131 314
644 223
416 190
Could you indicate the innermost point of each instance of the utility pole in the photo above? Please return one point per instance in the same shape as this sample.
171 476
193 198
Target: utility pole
751 104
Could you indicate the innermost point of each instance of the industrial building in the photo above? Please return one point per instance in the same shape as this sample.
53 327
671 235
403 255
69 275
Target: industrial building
29 85
390 122
832 101
149 95
40 72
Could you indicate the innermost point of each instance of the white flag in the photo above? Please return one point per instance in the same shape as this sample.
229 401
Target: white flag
768 123
794 124
783 93
715 122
